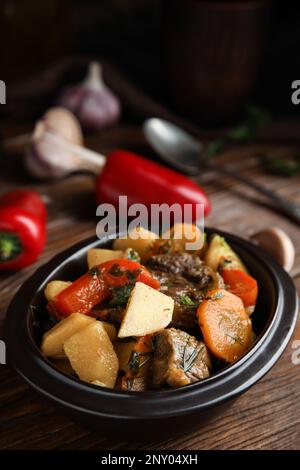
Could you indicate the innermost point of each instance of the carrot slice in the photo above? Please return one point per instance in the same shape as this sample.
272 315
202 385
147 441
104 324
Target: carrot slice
242 285
225 325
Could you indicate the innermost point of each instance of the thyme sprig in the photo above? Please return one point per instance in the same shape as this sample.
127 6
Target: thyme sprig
235 338
189 359
186 300
135 362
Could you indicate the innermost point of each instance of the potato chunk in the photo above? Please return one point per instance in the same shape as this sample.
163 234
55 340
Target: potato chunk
92 355
148 311
220 255
140 240
97 256
53 340
124 351
183 237
54 288
110 330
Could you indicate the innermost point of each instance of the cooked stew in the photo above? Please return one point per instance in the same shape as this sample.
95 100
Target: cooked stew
148 314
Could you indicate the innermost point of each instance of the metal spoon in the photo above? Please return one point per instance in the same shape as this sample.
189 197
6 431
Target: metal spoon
185 153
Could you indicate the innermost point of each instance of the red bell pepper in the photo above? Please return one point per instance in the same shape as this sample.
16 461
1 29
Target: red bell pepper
22 229
143 181
242 285
27 200
22 238
95 286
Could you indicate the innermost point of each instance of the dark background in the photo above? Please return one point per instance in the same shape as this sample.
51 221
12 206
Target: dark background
36 33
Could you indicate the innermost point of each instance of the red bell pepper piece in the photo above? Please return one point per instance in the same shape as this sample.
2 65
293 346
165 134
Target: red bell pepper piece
242 285
120 272
22 229
27 200
143 181
82 295
95 286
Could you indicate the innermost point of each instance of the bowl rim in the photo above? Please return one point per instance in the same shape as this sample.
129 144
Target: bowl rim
26 358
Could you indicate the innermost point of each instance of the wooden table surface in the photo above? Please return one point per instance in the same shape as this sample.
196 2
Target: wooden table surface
266 417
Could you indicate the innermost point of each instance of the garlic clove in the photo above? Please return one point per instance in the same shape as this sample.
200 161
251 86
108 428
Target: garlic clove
95 105
50 156
45 159
61 122
35 166
277 243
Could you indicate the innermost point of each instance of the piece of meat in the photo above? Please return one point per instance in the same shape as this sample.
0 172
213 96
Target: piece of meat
137 379
179 359
133 384
181 290
184 264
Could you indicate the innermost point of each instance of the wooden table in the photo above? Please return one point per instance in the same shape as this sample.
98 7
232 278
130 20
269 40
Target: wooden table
266 417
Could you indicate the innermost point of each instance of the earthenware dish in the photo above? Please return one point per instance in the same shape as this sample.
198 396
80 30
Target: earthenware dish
150 414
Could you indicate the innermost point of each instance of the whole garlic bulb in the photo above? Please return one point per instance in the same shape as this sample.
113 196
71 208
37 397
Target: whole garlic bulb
95 105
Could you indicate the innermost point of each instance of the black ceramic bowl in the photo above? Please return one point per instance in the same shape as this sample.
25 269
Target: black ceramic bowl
144 415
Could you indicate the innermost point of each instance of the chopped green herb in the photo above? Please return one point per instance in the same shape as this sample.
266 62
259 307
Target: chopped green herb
134 362
94 271
186 300
120 295
116 271
132 255
132 275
